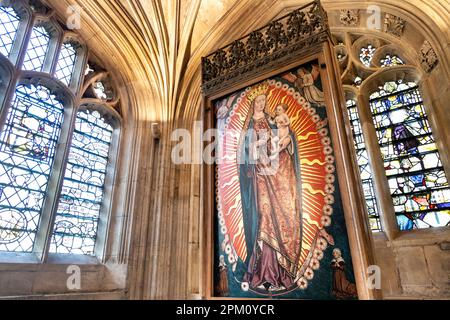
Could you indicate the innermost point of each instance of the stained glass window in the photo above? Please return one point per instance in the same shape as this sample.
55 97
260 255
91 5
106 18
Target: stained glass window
37 49
366 55
417 181
66 63
9 23
389 61
27 149
79 206
364 167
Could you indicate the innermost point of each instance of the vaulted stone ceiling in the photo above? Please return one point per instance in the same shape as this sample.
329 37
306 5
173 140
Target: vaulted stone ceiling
155 46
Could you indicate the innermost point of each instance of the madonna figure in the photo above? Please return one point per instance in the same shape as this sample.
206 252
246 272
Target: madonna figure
271 200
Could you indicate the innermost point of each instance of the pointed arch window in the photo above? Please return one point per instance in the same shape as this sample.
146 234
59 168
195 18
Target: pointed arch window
9 24
417 181
37 49
56 158
80 203
403 174
27 150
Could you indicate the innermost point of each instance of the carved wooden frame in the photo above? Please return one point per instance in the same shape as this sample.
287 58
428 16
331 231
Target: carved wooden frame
319 48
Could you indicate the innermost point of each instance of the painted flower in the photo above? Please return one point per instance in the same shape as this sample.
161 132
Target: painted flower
291 91
329 188
297 96
327 210
329 159
231 259
228 249
315 264
330 178
309 274
326 221
307 105
223 230
302 283
329 168
315 118
326 141
285 86
311 111
278 85
329 199
302 101
318 254
322 244
271 82
328 150
323 132
245 286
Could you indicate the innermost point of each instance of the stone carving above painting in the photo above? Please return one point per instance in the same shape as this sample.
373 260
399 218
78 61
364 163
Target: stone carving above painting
278 42
428 57
394 25
349 18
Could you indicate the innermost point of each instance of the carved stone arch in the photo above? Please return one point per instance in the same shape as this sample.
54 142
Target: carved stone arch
109 84
350 92
379 78
110 115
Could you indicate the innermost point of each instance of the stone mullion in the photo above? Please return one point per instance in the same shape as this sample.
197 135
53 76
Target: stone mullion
384 199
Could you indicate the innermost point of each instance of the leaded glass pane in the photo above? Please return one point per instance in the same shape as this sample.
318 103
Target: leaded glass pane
37 49
9 23
364 167
366 55
416 177
27 149
76 224
389 61
66 63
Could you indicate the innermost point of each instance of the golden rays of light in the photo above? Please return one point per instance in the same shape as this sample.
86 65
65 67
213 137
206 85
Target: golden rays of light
312 159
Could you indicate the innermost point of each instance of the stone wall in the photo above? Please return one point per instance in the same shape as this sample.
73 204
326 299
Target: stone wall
415 265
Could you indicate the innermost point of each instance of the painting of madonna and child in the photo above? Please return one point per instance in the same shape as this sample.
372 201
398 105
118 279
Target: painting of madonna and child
279 224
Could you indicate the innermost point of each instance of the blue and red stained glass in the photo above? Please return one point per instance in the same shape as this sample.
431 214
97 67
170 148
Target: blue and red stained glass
418 184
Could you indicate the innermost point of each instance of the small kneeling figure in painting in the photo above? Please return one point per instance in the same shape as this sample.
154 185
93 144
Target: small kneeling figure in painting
342 288
222 286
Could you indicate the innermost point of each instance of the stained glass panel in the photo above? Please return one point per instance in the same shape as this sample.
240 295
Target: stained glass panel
9 23
27 149
366 55
76 224
416 177
364 167
389 61
37 49
66 63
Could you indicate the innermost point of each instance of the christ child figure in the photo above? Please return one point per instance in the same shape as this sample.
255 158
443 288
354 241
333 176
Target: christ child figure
283 139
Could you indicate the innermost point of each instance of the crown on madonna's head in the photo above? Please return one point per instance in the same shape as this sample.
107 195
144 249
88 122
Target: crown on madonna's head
258 90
